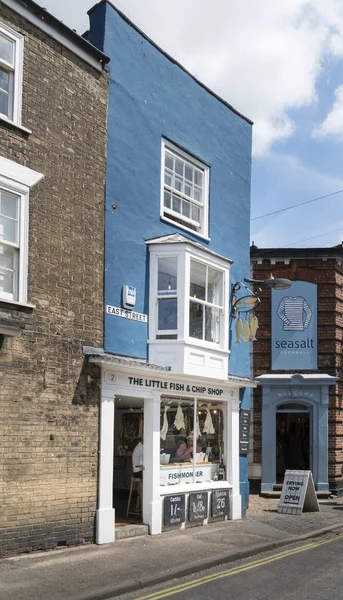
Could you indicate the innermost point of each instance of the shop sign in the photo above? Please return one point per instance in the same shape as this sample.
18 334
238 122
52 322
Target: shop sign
244 425
198 506
298 493
174 386
174 509
126 314
220 503
294 327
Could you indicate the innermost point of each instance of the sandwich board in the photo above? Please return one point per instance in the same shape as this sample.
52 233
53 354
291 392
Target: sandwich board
298 493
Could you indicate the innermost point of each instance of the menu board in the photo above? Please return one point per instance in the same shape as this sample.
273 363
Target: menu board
244 426
198 505
174 509
220 503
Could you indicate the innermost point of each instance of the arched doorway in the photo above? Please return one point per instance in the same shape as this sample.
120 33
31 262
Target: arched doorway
293 438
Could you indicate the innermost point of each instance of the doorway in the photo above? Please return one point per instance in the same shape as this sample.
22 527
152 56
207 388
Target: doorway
292 439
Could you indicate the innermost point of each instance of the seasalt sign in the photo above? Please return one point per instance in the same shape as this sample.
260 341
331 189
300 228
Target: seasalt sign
174 386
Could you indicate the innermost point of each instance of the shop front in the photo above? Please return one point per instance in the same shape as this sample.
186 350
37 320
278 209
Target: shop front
189 427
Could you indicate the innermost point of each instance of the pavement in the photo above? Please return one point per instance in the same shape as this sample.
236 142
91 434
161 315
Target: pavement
93 572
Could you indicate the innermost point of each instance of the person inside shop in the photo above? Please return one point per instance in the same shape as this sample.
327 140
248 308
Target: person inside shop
184 452
137 459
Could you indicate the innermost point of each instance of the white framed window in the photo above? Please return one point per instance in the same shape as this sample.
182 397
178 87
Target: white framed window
166 297
206 302
15 183
11 73
184 190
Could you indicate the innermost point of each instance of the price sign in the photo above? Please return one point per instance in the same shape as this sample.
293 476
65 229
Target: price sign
198 504
244 425
220 503
174 509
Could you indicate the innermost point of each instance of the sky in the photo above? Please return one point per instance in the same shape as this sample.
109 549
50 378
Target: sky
281 65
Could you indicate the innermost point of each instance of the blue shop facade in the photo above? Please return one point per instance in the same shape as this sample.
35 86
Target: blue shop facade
177 214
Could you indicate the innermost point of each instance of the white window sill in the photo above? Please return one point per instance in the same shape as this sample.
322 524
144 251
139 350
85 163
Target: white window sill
193 342
181 488
5 121
16 303
185 228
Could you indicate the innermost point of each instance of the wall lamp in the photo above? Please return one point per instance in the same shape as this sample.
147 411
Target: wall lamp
252 299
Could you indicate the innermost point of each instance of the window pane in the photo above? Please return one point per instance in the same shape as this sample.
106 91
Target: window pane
176 204
4 103
197 280
189 172
178 184
198 178
7 256
215 286
197 194
196 214
167 314
169 161
9 205
8 230
167 275
168 178
4 80
188 190
167 199
196 318
6 49
178 166
212 324
186 209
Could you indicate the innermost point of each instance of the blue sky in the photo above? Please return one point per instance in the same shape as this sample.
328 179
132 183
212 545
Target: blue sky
281 64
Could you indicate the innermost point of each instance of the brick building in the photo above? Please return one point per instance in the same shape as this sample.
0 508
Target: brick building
53 112
298 409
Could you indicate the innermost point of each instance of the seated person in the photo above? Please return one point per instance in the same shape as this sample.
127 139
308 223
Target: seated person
185 450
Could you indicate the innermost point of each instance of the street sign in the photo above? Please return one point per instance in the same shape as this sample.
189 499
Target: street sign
298 493
198 506
174 509
244 433
220 503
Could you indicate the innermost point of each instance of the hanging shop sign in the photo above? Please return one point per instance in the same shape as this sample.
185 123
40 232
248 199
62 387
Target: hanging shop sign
198 506
220 503
294 327
126 314
244 425
298 493
174 509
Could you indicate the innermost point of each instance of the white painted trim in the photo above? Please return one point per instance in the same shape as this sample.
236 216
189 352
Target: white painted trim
18 40
21 10
152 503
16 303
13 124
105 514
18 173
166 490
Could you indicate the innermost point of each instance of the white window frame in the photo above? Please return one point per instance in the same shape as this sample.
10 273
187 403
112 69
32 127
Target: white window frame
182 221
185 253
17 71
18 180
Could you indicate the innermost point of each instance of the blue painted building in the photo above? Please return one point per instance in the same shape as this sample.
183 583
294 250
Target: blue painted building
177 217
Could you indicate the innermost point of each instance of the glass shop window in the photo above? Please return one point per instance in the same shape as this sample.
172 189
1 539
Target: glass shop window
182 457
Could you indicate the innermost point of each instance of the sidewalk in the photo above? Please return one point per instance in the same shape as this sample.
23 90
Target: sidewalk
99 572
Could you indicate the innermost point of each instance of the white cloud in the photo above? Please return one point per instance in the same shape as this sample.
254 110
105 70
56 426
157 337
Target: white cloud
333 123
262 56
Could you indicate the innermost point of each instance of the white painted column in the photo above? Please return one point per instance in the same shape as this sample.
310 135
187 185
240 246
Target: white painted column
152 503
231 433
105 517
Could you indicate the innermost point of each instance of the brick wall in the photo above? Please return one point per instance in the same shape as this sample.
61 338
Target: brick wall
328 274
48 395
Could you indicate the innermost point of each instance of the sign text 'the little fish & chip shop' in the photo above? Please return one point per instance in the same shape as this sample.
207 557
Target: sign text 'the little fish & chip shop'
126 314
173 386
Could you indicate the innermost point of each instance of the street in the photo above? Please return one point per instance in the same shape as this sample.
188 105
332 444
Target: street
309 570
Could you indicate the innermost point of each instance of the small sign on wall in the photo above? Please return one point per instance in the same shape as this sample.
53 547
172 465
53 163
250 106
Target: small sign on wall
244 426
220 503
174 509
298 493
198 506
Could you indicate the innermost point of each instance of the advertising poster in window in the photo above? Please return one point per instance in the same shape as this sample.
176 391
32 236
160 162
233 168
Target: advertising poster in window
294 327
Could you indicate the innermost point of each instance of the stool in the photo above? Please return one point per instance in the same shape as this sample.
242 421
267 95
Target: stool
136 483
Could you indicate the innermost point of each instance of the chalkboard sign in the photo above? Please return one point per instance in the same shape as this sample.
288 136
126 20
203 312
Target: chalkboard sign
220 503
244 426
174 509
198 504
